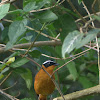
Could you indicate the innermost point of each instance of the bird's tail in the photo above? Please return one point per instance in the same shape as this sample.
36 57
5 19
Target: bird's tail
41 97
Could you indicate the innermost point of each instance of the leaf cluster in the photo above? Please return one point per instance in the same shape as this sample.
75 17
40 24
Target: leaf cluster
21 26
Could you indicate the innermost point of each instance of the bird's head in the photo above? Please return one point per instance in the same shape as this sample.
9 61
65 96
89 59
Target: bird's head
50 64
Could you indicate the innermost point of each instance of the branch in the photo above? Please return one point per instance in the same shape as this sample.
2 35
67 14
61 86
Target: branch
50 37
7 1
96 36
32 44
10 86
5 78
67 63
36 44
85 7
75 10
94 2
97 13
8 95
79 94
48 7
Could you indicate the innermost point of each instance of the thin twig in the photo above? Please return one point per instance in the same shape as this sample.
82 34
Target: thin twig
10 86
88 13
98 57
67 63
35 39
41 33
97 13
21 49
3 2
71 55
48 7
88 23
5 78
51 57
8 95
7 1
91 47
75 10
17 94
99 4
1 62
7 20
3 45
34 30
94 2
96 36
58 79
57 36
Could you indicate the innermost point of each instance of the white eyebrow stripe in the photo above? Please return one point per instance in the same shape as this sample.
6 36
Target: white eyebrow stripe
48 61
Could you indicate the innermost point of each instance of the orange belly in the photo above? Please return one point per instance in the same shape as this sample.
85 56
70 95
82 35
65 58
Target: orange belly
43 84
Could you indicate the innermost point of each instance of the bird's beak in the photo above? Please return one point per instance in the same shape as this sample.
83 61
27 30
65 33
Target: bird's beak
56 64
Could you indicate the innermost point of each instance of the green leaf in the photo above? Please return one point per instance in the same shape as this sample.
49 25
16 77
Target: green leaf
20 70
4 35
64 25
70 12
17 11
98 41
63 72
26 74
89 37
86 83
96 17
70 42
2 68
1 76
3 71
9 45
82 67
41 4
30 6
47 16
19 62
16 29
93 69
4 10
35 53
51 51
79 1
28 78
26 99
72 69
25 2
1 65
25 39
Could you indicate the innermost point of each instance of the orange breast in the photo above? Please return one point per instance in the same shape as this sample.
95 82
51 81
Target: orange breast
43 84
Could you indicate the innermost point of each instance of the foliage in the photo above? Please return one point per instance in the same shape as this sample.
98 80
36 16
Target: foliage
37 22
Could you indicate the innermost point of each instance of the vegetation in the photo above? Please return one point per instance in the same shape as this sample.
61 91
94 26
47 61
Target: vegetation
66 31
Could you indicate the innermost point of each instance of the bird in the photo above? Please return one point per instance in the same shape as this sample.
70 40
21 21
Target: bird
43 84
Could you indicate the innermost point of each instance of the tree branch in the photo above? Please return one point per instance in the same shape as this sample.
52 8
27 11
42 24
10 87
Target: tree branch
36 44
79 94
8 95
